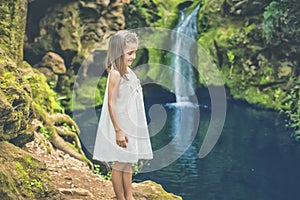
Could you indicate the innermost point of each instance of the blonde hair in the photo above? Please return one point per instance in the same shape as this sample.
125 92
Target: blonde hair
116 47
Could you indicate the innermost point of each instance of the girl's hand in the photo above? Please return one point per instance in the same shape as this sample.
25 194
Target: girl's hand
121 139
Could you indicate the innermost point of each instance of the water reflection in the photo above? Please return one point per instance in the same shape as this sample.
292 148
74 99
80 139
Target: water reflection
254 159
178 134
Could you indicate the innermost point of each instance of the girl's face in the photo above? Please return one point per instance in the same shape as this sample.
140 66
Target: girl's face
129 54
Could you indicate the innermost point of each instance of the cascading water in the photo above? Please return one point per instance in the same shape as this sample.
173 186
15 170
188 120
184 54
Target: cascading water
185 80
185 112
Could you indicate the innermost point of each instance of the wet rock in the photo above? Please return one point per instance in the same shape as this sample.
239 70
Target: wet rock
54 62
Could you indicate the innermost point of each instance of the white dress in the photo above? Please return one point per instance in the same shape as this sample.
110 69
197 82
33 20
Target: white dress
130 114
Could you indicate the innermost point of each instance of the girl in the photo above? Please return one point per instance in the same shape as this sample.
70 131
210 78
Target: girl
122 135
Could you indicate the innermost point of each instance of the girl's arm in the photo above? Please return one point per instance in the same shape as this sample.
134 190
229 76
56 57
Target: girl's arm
113 84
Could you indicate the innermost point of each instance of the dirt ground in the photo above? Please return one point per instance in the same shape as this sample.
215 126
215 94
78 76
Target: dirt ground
71 176
78 182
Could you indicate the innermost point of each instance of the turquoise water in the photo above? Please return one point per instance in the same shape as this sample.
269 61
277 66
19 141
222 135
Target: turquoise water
255 157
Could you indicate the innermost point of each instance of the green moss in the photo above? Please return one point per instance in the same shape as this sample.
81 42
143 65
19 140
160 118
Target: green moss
255 96
145 13
12 28
42 94
22 176
8 189
169 13
153 191
232 42
155 13
15 103
27 89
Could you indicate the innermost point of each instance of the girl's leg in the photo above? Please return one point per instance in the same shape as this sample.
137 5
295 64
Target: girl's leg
127 181
117 180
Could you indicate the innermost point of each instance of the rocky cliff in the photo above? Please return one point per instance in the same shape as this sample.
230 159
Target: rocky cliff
31 116
255 68
253 43
68 37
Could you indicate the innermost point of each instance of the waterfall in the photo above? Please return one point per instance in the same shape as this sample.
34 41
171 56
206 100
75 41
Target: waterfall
185 112
185 80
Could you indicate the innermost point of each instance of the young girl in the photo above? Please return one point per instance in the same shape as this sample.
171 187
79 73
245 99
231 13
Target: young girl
122 135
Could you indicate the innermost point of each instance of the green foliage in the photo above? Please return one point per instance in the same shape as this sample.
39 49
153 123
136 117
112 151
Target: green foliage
22 174
248 65
291 106
155 13
38 184
136 167
230 56
252 95
41 92
144 12
12 28
282 21
249 27
46 131
70 127
97 170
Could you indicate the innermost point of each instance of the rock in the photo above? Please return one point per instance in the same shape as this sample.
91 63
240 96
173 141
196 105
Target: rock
285 69
76 191
79 182
149 190
54 62
24 177
15 104
52 78
12 27
72 29
246 7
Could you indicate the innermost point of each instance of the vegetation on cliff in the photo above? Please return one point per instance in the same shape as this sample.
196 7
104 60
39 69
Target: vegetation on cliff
74 32
30 107
253 43
24 177
27 105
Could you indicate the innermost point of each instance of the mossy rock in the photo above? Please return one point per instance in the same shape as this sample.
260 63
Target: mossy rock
12 27
15 106
21 85
152 191
24 177
253 69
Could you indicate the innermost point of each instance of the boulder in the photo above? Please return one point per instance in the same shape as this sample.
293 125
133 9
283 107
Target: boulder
24 177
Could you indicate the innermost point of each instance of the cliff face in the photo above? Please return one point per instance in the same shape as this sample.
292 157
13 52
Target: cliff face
30 113
71 36
21 176
236 34
24 177
62 35
255 68
12 28
233 33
